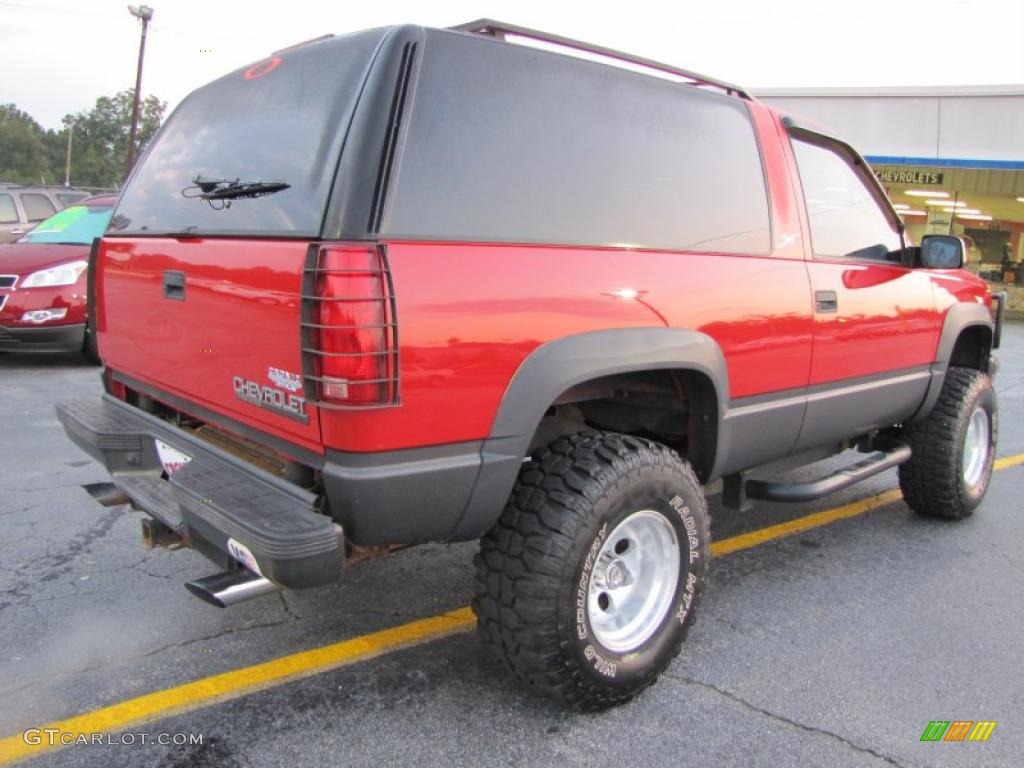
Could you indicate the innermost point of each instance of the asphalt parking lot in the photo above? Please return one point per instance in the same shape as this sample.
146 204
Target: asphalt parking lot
835 646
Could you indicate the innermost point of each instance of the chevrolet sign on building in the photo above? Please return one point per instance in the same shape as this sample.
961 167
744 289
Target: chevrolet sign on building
894 176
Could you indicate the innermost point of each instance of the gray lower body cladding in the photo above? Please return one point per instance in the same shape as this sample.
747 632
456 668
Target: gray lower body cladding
407 496
239 511
56 338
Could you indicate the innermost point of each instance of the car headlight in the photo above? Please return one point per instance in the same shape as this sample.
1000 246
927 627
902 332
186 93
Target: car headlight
65 274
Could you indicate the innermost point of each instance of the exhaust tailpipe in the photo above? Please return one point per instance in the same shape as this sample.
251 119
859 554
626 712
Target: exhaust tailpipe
230 587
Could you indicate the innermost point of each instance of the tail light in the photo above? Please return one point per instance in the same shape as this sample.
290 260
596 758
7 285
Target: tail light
349 331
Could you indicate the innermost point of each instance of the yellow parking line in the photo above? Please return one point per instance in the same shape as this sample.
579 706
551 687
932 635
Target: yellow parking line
182 698
1009 461
791 527
229 685
818 519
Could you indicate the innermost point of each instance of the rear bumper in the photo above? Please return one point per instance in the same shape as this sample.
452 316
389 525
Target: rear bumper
216 500
405 496
54 338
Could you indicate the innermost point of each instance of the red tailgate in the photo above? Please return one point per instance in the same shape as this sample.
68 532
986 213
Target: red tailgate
228 340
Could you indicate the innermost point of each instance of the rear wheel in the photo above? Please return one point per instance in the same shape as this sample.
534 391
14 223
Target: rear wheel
954 448
588 584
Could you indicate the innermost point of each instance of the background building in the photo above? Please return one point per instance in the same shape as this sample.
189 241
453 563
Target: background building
951 159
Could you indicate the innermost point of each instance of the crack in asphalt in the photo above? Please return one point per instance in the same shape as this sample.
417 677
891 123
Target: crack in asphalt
16 510
22 598
287 608
60 563
30 682
179 575
783 719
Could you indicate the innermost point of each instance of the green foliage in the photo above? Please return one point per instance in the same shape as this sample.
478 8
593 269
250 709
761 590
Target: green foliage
23 150
29 154
101 137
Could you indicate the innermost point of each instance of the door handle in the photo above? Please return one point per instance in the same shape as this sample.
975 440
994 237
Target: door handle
826 301
174 285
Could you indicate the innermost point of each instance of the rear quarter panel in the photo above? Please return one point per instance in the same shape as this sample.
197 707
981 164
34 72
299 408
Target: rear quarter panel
469 314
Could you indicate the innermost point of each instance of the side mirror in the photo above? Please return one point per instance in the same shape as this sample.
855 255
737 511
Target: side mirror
942 252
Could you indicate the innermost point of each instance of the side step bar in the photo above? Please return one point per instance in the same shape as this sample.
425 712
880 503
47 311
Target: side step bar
890 453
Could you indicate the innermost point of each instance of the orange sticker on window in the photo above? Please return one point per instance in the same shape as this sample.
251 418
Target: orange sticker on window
262 68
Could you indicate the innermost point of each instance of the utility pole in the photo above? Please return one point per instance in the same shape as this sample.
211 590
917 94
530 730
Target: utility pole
145 14
67 164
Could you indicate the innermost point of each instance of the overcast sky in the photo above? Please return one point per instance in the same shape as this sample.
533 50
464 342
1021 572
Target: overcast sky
57 56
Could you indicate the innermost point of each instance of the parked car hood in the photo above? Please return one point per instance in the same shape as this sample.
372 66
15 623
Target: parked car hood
25 258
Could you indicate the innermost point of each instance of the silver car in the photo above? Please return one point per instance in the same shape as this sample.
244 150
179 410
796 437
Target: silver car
21 208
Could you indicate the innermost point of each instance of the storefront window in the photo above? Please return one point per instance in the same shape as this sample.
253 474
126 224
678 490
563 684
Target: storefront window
983 205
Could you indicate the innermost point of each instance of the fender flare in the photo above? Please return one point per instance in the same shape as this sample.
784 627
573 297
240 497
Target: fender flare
958 318
555 367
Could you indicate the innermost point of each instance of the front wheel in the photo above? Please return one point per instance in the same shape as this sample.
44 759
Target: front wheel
954 448
588 583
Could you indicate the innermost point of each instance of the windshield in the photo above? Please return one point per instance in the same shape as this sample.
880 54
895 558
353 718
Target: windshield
77 225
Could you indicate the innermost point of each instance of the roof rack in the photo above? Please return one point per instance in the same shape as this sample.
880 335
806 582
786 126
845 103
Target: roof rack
20 185
499 29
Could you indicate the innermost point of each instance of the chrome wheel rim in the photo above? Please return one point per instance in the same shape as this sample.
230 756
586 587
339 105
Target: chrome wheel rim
976 446
633 581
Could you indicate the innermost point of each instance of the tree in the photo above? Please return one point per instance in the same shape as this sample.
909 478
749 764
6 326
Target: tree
23 151
100 142
30 155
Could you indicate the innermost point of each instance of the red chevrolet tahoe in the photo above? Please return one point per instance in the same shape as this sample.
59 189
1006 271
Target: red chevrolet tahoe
413 285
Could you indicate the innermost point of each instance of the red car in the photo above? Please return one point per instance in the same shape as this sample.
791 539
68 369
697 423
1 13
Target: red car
42 281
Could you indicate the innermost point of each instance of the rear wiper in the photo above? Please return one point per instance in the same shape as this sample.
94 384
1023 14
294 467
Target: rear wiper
226 190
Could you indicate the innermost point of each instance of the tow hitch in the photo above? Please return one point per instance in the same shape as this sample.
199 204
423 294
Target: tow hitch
157 534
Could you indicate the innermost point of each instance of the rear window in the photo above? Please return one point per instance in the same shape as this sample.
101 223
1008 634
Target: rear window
8 213
77 225
37 207
281 120
511 144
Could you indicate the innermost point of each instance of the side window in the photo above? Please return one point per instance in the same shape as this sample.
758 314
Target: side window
37 207
69 199
529 149
845 220
8 213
